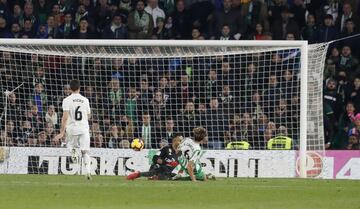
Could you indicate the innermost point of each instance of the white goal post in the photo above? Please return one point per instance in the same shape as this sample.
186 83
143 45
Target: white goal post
306 60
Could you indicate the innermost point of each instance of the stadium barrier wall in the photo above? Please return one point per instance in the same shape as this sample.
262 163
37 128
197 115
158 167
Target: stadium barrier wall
222 163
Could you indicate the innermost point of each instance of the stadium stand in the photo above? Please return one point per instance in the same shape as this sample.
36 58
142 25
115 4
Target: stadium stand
35 121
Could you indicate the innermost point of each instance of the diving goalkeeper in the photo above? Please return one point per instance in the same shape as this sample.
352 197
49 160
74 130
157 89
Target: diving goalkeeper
164 162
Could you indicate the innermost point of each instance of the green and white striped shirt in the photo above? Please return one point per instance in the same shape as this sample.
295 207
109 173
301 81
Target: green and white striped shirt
190 151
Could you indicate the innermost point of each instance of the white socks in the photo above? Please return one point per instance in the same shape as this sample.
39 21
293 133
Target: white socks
86 158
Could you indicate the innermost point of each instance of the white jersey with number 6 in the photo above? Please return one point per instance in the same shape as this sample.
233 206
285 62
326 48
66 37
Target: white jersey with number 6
190 151
79 108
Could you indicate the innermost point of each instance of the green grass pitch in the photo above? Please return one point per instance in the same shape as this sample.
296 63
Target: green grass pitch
105 192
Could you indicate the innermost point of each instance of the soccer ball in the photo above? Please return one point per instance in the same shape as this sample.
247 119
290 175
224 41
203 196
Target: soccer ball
137 144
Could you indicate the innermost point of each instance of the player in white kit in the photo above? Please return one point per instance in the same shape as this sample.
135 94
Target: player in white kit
190 166
74 122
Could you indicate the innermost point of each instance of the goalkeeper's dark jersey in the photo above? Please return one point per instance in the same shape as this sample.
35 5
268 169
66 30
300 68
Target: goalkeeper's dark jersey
168 155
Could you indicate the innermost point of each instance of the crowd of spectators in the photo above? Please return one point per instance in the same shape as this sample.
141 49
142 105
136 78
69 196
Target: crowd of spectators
134 100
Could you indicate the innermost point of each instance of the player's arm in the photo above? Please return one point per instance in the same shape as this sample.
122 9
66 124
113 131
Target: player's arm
63 125
158 158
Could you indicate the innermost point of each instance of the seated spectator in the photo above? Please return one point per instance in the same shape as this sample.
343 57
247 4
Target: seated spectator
298 10
68 28
113 137
255 11
116 30
12 132
43 140
289 84
348 13
145 94
34 117
186 121
160 31
272 94
344 126
14 108
225 33
51 116
290 37
97 141
211 85
284 26
124 144
32 142
128 126
42 32
84 31
309 31
81 14
350 30
51 27
169 131
15 31
57 14
28 14
154 10
255 105
343 84
327 31
95 128
158 109
41 8
349 63
354 140
227 100
147 132
4 32
28 29
229 17
131 103
215 123
196 34
50 133
275 9
353 93
116 96
25 132
250 82
140 22
282 116
39 98
181 21
16 14
331 63
258 34
332 98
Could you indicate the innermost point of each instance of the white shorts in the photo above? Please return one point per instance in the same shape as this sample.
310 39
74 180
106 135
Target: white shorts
81 140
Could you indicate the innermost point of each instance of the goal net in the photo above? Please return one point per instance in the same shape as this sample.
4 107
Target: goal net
250 96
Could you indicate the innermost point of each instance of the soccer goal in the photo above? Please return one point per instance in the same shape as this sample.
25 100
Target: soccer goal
260 101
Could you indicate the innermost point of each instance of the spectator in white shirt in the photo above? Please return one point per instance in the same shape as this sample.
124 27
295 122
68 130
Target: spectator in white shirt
154 10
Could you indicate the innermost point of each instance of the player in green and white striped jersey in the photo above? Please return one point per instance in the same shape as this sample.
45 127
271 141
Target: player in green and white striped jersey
190 155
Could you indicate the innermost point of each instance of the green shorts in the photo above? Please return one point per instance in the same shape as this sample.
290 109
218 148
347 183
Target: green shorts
198 172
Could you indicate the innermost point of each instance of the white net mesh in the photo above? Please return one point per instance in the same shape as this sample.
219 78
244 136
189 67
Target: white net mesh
246 97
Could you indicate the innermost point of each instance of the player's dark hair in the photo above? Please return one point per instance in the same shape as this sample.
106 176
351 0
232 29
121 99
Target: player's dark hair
200 134
74 85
